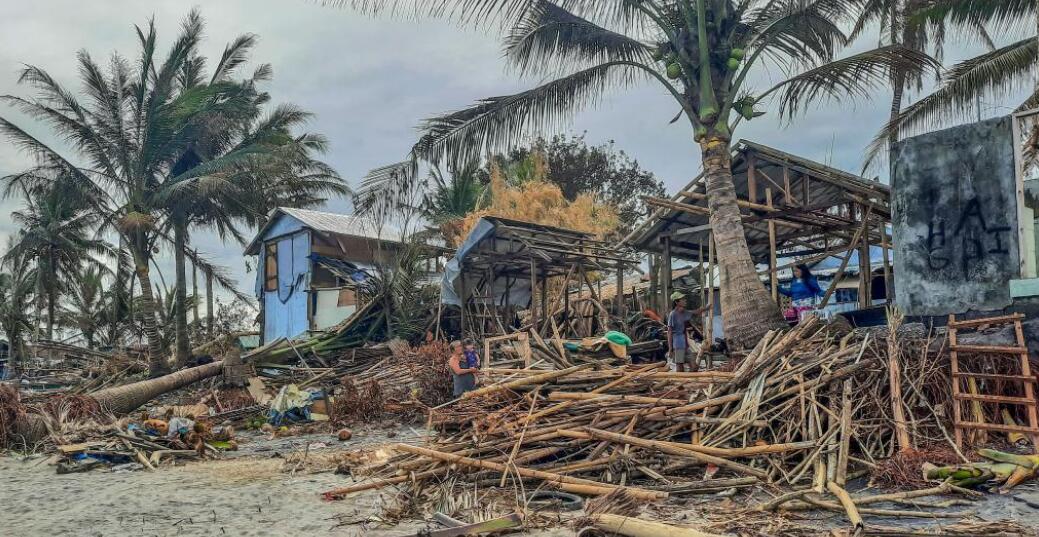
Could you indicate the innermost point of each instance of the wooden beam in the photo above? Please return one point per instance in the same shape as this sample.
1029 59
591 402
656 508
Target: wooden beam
773 277
665 277
740 203
677 206
752 178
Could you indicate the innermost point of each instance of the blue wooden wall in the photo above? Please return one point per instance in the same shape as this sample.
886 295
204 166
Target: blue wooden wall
285 309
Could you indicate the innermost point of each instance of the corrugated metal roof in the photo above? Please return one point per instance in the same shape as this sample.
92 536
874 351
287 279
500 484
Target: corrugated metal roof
342 224
335 223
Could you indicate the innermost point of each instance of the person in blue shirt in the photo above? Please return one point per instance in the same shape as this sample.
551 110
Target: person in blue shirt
804 290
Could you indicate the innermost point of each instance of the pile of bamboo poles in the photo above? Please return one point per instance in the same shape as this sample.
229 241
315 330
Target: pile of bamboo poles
786 414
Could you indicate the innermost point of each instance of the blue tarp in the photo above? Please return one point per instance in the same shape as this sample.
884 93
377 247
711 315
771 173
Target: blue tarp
451 291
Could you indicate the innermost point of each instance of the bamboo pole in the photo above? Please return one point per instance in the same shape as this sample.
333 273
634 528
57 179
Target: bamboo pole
593 487
849 506
536 379
665 447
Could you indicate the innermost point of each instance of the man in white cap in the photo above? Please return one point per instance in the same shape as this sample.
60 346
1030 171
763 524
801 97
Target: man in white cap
681 349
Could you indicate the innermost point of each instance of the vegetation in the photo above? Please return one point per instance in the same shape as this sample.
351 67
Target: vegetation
704 53
611 176
535 199
159 147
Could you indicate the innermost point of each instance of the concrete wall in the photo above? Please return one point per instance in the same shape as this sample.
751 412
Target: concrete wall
954 219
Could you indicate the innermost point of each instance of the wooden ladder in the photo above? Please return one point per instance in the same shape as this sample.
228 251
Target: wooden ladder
1025 378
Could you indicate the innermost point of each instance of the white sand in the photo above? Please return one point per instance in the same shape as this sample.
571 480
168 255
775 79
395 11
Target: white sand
246 496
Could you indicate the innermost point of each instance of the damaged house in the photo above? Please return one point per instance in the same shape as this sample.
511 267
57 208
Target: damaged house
308 266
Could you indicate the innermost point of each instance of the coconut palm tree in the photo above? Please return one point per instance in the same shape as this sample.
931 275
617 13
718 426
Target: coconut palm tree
135 122
59 234
17 284
897 26
225 176
86 303
708 55
995 73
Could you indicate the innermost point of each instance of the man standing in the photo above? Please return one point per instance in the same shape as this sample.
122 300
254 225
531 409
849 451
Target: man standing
682 350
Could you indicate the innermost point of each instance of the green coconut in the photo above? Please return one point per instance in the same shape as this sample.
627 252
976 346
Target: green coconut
674 71
732 64
747 111
737 53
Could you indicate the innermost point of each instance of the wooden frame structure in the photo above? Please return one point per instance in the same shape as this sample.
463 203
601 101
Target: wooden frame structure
791 207
524 255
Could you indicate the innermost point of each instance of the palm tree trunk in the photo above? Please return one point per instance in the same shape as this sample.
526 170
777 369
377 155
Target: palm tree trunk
748 311
157 363
897 91
52 298
128 397
182 348
52 293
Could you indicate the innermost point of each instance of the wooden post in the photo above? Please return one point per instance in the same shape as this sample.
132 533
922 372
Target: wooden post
772 276
752 178
709 333
533 286
465 302
543 293
653 298
665 276
788 195
209 303
620 295
865 268
888 291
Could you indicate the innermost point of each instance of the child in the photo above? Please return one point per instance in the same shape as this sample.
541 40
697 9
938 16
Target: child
472 358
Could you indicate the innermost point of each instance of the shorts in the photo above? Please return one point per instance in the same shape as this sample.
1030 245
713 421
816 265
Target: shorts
683 356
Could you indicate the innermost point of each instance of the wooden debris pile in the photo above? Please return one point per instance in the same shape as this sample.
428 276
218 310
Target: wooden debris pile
788 413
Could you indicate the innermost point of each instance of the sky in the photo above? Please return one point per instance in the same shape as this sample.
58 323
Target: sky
370 80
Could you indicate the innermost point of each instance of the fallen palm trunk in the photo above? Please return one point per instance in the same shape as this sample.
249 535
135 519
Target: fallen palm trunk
129 397
32 428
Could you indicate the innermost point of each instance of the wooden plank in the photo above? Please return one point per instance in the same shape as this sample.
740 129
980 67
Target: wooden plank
954 364
1033 413
989 349
973 323
994 376
997 427
996 399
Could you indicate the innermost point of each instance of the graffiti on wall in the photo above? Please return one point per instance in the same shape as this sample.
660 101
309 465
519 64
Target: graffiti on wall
954 219
972 239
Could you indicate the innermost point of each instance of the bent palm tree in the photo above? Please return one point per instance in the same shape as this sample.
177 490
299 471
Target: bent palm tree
134 124
703 53
222 178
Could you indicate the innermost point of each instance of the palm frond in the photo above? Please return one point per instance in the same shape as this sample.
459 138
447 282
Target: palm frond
997 73
855 76
549 35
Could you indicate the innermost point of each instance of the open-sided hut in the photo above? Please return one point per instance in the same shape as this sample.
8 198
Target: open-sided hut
792 208
505 266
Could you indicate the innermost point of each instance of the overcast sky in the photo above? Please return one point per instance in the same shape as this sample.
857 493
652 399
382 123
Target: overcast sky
371 80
